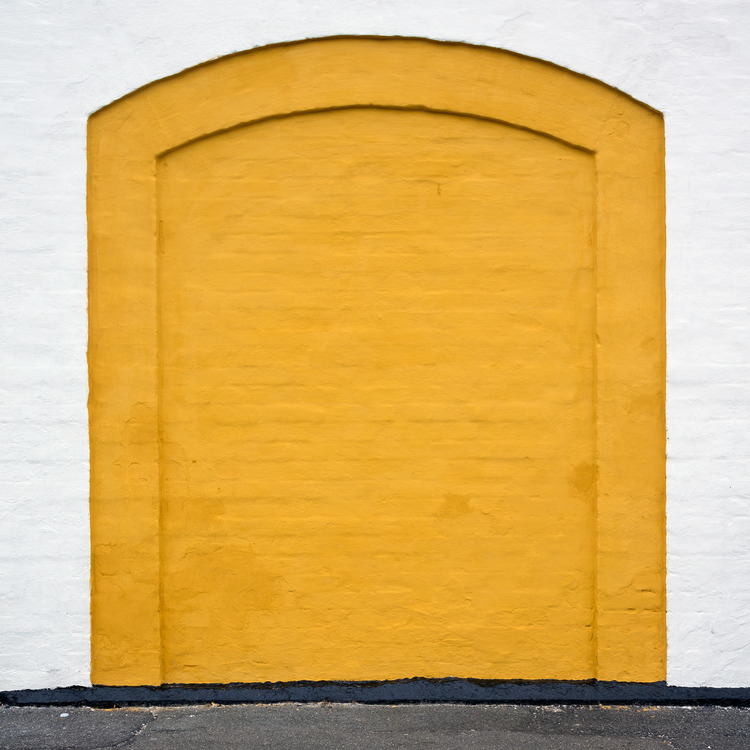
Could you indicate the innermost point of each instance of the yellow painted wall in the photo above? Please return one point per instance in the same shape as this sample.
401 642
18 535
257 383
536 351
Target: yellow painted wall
377 371
377 400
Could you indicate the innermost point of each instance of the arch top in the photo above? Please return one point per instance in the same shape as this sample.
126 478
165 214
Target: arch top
447 43
394 72
426 110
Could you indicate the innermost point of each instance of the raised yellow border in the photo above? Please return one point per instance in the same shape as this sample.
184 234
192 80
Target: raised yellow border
125 141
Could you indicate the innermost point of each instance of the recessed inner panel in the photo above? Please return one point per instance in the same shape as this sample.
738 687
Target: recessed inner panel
376 401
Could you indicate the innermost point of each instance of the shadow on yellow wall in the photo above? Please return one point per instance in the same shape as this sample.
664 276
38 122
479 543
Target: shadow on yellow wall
377 370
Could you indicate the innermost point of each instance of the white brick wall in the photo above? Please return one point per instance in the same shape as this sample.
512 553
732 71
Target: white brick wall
63 60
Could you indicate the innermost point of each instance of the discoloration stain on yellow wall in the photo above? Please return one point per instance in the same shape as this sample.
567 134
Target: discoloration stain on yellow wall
454 506
389 337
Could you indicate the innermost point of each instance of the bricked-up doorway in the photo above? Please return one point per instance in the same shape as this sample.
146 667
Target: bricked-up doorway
377 371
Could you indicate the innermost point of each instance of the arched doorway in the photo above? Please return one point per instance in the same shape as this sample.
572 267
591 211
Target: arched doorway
377 360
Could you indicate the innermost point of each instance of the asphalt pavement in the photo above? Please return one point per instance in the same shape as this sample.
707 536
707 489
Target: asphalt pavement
334 726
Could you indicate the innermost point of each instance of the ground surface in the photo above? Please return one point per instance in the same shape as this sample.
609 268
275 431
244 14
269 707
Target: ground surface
295 726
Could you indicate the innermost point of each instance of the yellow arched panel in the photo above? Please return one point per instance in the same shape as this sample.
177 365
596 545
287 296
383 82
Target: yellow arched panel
377 359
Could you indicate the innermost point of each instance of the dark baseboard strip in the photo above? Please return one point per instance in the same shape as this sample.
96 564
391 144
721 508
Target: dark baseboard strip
417 690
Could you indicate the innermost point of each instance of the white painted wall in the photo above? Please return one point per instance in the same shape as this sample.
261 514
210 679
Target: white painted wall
63 59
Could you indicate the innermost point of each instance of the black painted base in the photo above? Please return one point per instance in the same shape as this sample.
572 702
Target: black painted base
416 690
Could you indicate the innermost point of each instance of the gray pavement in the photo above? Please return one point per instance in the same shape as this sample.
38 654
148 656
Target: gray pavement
304 726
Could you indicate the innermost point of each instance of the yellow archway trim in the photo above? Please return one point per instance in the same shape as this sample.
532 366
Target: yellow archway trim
126 140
